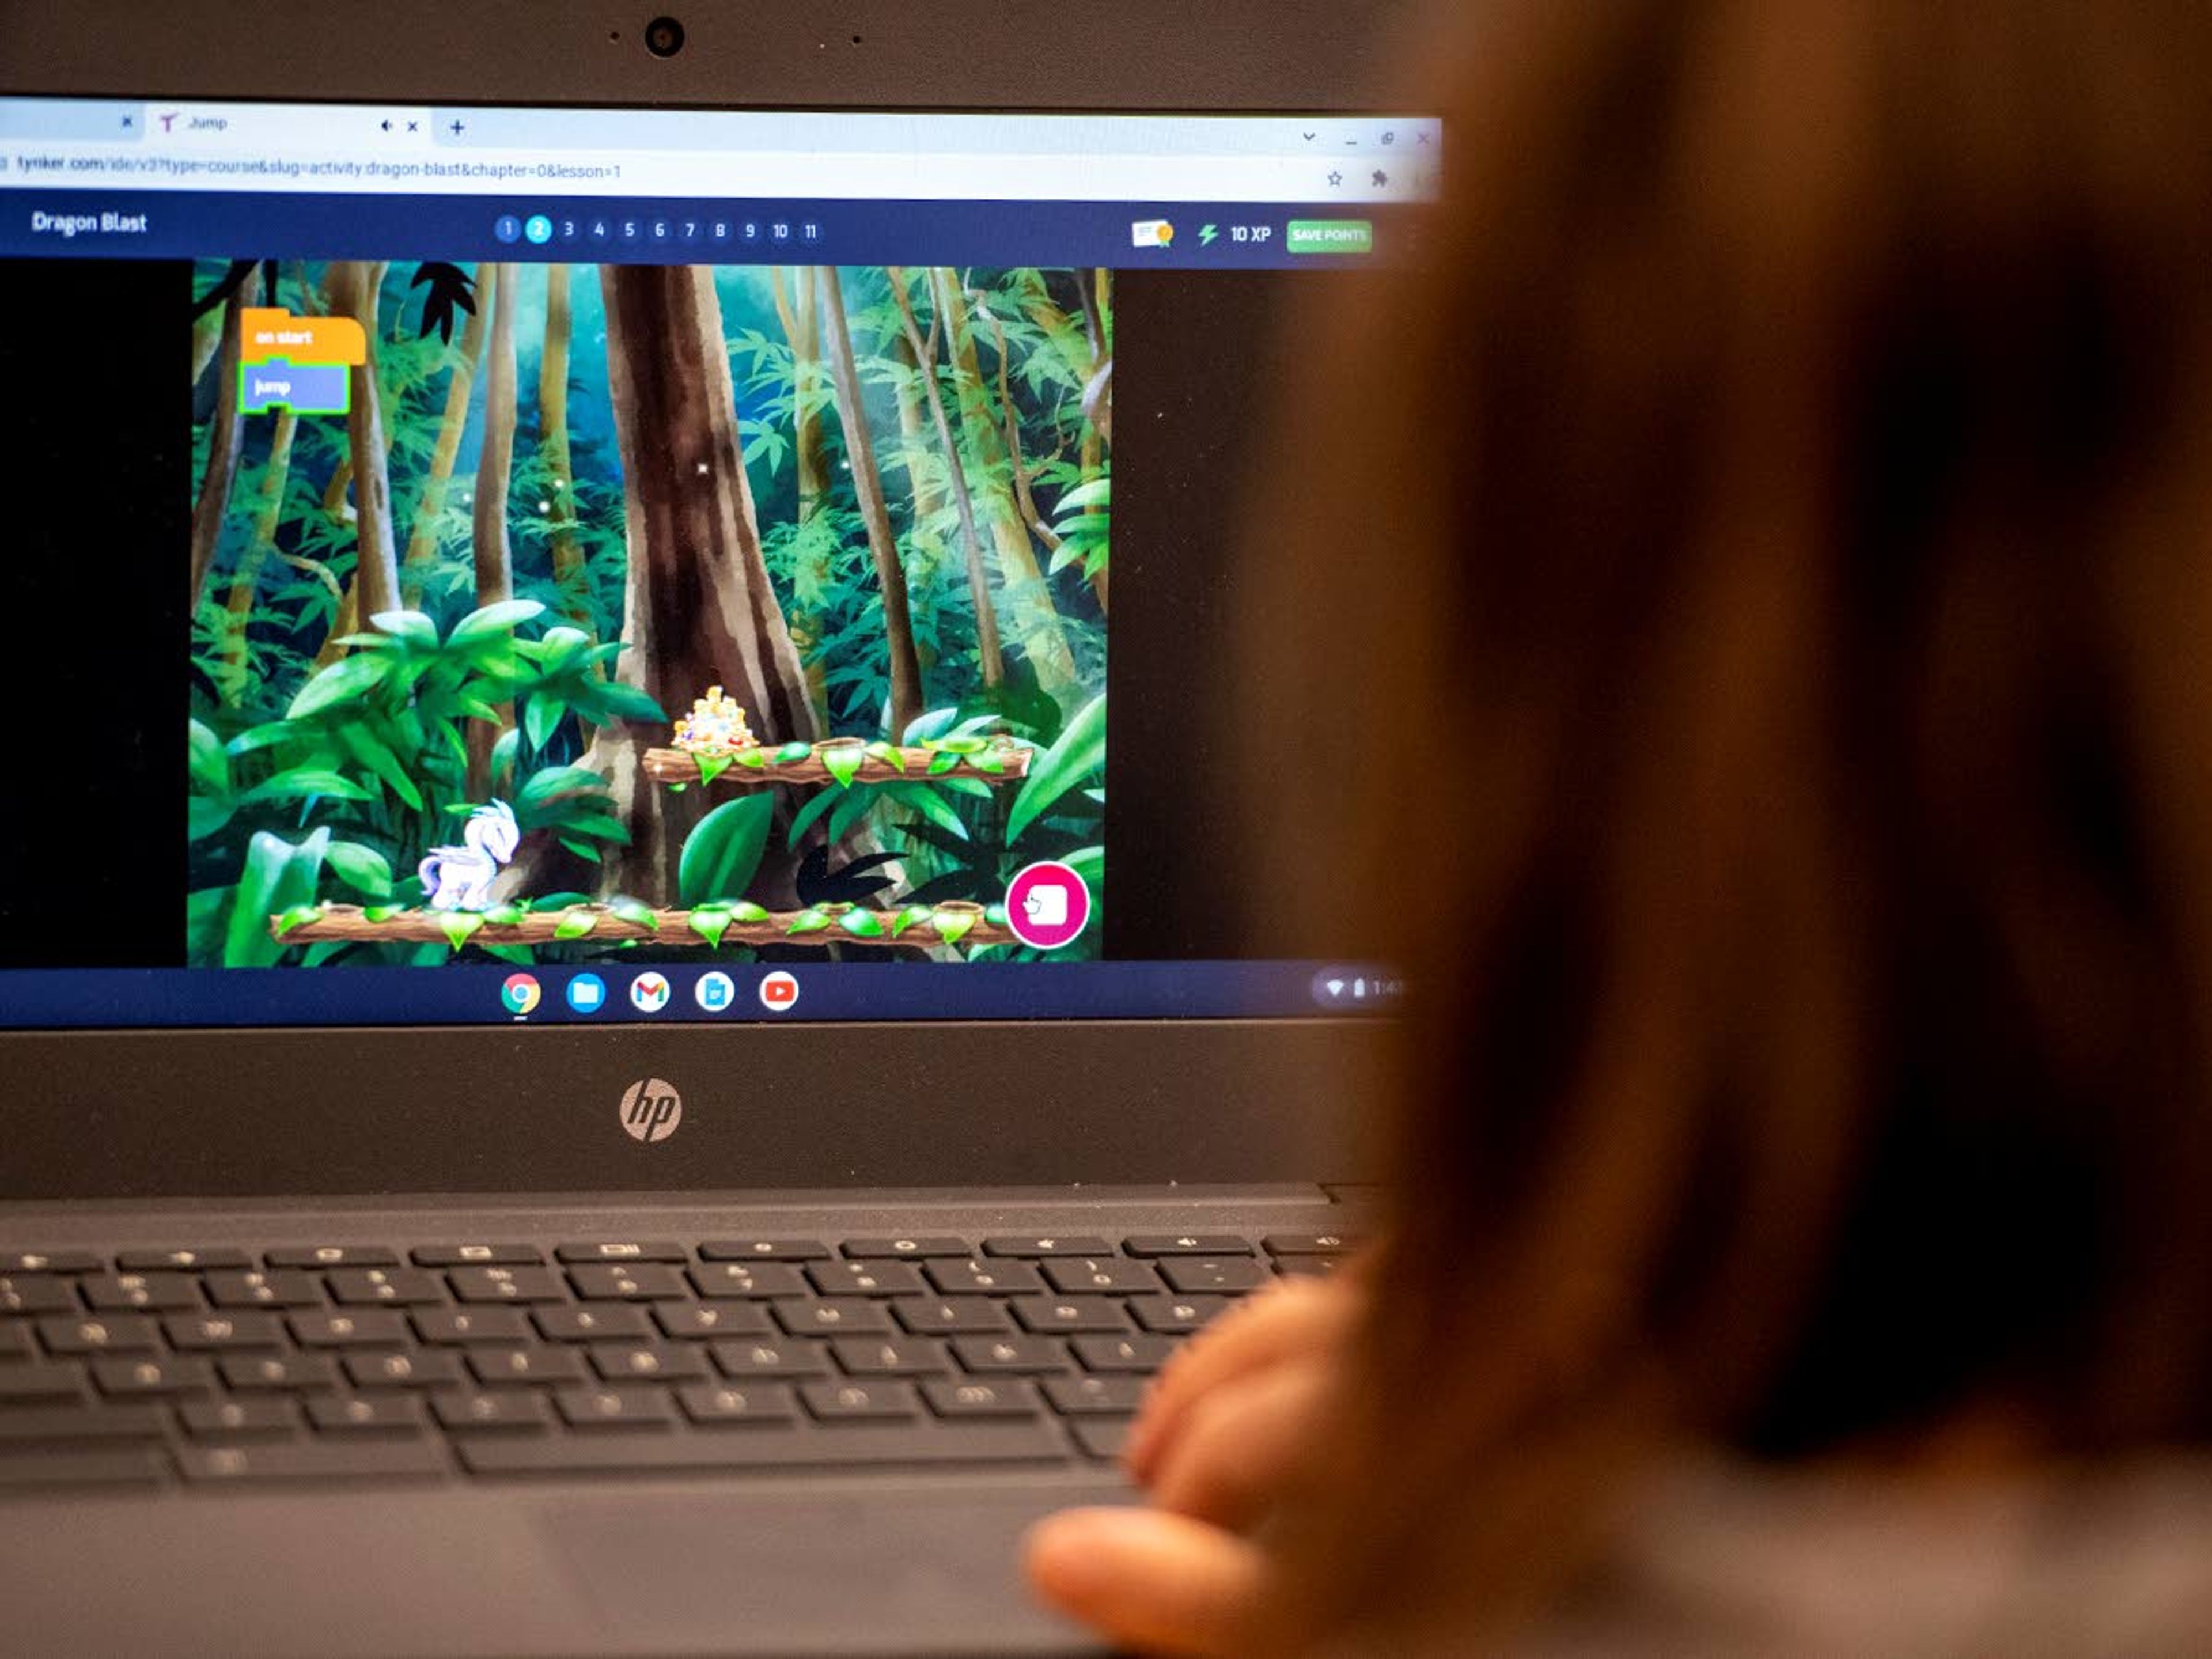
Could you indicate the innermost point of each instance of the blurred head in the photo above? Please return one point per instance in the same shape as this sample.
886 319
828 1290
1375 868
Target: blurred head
1756 604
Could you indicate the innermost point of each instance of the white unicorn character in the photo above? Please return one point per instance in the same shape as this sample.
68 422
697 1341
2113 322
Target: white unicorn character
460 878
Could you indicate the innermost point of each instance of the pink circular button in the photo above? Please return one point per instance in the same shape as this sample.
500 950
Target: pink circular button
1047 906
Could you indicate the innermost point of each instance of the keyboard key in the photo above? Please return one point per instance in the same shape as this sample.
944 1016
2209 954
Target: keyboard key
1176 1315
36 1293
371 1327
1103 1438
145 1292
851 1445
16 1340
121 1466
915 1250
435 1369
984 1278
620 1252
12 1262
37 1425
364 1459
959 1316
190 1260
693 1320
502 1408
1211 1276
1070 1314
220 1420
373 1413
763 1249
613 1408
648 1362
860 1355
1029 1355
449 1326
465 1255
1309 1243
120 1378
25 1385
109 1333
615 1282
742 1362
492 1366
1090 1275
970 1398
196 1332
507 1285
292 1371
1093 1396
260 1290
858 1402
709 1403
591 1324
832 1317
1134 1355
368 1287
864 1279
1307 1267
333 1255
743 1278
1185 1244
1083 1244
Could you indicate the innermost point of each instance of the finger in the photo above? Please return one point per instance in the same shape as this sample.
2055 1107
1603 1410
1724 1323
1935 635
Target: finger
1246 1446
1289 1319
1149 1580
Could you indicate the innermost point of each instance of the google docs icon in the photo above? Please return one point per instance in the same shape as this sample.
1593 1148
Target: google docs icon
586 992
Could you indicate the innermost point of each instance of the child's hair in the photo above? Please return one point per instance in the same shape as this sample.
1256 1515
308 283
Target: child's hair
1757 598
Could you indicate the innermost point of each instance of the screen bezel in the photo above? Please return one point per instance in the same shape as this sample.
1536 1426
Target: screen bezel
265 1112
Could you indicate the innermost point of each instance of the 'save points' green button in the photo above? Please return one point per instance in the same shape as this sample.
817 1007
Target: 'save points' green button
1331 236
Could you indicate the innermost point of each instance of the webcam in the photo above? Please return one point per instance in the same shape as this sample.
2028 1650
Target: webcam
663 37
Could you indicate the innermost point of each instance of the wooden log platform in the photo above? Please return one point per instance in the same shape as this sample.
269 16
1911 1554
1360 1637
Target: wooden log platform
971 930
1000 763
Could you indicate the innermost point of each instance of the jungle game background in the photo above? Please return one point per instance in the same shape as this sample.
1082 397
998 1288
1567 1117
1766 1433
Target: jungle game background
868 506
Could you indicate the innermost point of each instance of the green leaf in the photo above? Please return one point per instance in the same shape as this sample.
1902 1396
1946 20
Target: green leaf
342 682
894 759
711 767
959 746
204 817
746 910
1080 751
924 799
549 782
276 877
1099 492
611 700
372 751
808 921
636 912
362 868
678 789
907 917
559 902
383 912
710 922
791 753
504 915
298 914
987 762
861 924
995 915
953 926
1090 863
851 806
841 760
724 850
575 922
940 764
754 758
209 763
306 783
561 646
494 620
806 816
541 717
409 627
504 753
457 924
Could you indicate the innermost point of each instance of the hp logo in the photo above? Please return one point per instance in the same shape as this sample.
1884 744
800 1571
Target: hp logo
651 1109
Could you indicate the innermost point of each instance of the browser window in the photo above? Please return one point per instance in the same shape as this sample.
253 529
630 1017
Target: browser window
599 564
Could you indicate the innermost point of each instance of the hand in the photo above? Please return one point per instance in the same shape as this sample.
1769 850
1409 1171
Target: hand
1234 1426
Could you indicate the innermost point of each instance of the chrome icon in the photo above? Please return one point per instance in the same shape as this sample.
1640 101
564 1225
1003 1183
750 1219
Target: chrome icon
520 995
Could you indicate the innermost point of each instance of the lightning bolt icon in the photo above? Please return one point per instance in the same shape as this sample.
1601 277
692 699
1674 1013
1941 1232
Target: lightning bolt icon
1207 234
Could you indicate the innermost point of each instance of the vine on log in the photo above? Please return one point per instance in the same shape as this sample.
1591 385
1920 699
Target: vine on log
968 925
993 763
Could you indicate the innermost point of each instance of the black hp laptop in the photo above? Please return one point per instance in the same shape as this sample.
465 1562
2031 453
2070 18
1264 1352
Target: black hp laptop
602 1046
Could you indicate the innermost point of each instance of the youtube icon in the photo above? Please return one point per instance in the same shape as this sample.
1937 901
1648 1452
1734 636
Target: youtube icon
778 993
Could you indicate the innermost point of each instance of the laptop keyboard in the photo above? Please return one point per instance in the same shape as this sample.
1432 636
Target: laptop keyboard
223 1367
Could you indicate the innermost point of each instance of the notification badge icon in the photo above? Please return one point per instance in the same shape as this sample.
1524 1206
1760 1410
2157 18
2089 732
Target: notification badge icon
779 992
1047 906
520 993
648 992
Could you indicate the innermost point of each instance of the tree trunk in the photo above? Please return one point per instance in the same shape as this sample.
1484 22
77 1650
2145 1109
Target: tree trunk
989 653
268 513
213 503
868 490
493 553
422 538
700 611
1033 620
812 462
1082 349
568 573
356 289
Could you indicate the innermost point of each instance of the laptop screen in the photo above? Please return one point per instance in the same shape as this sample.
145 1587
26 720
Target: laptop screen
586 565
